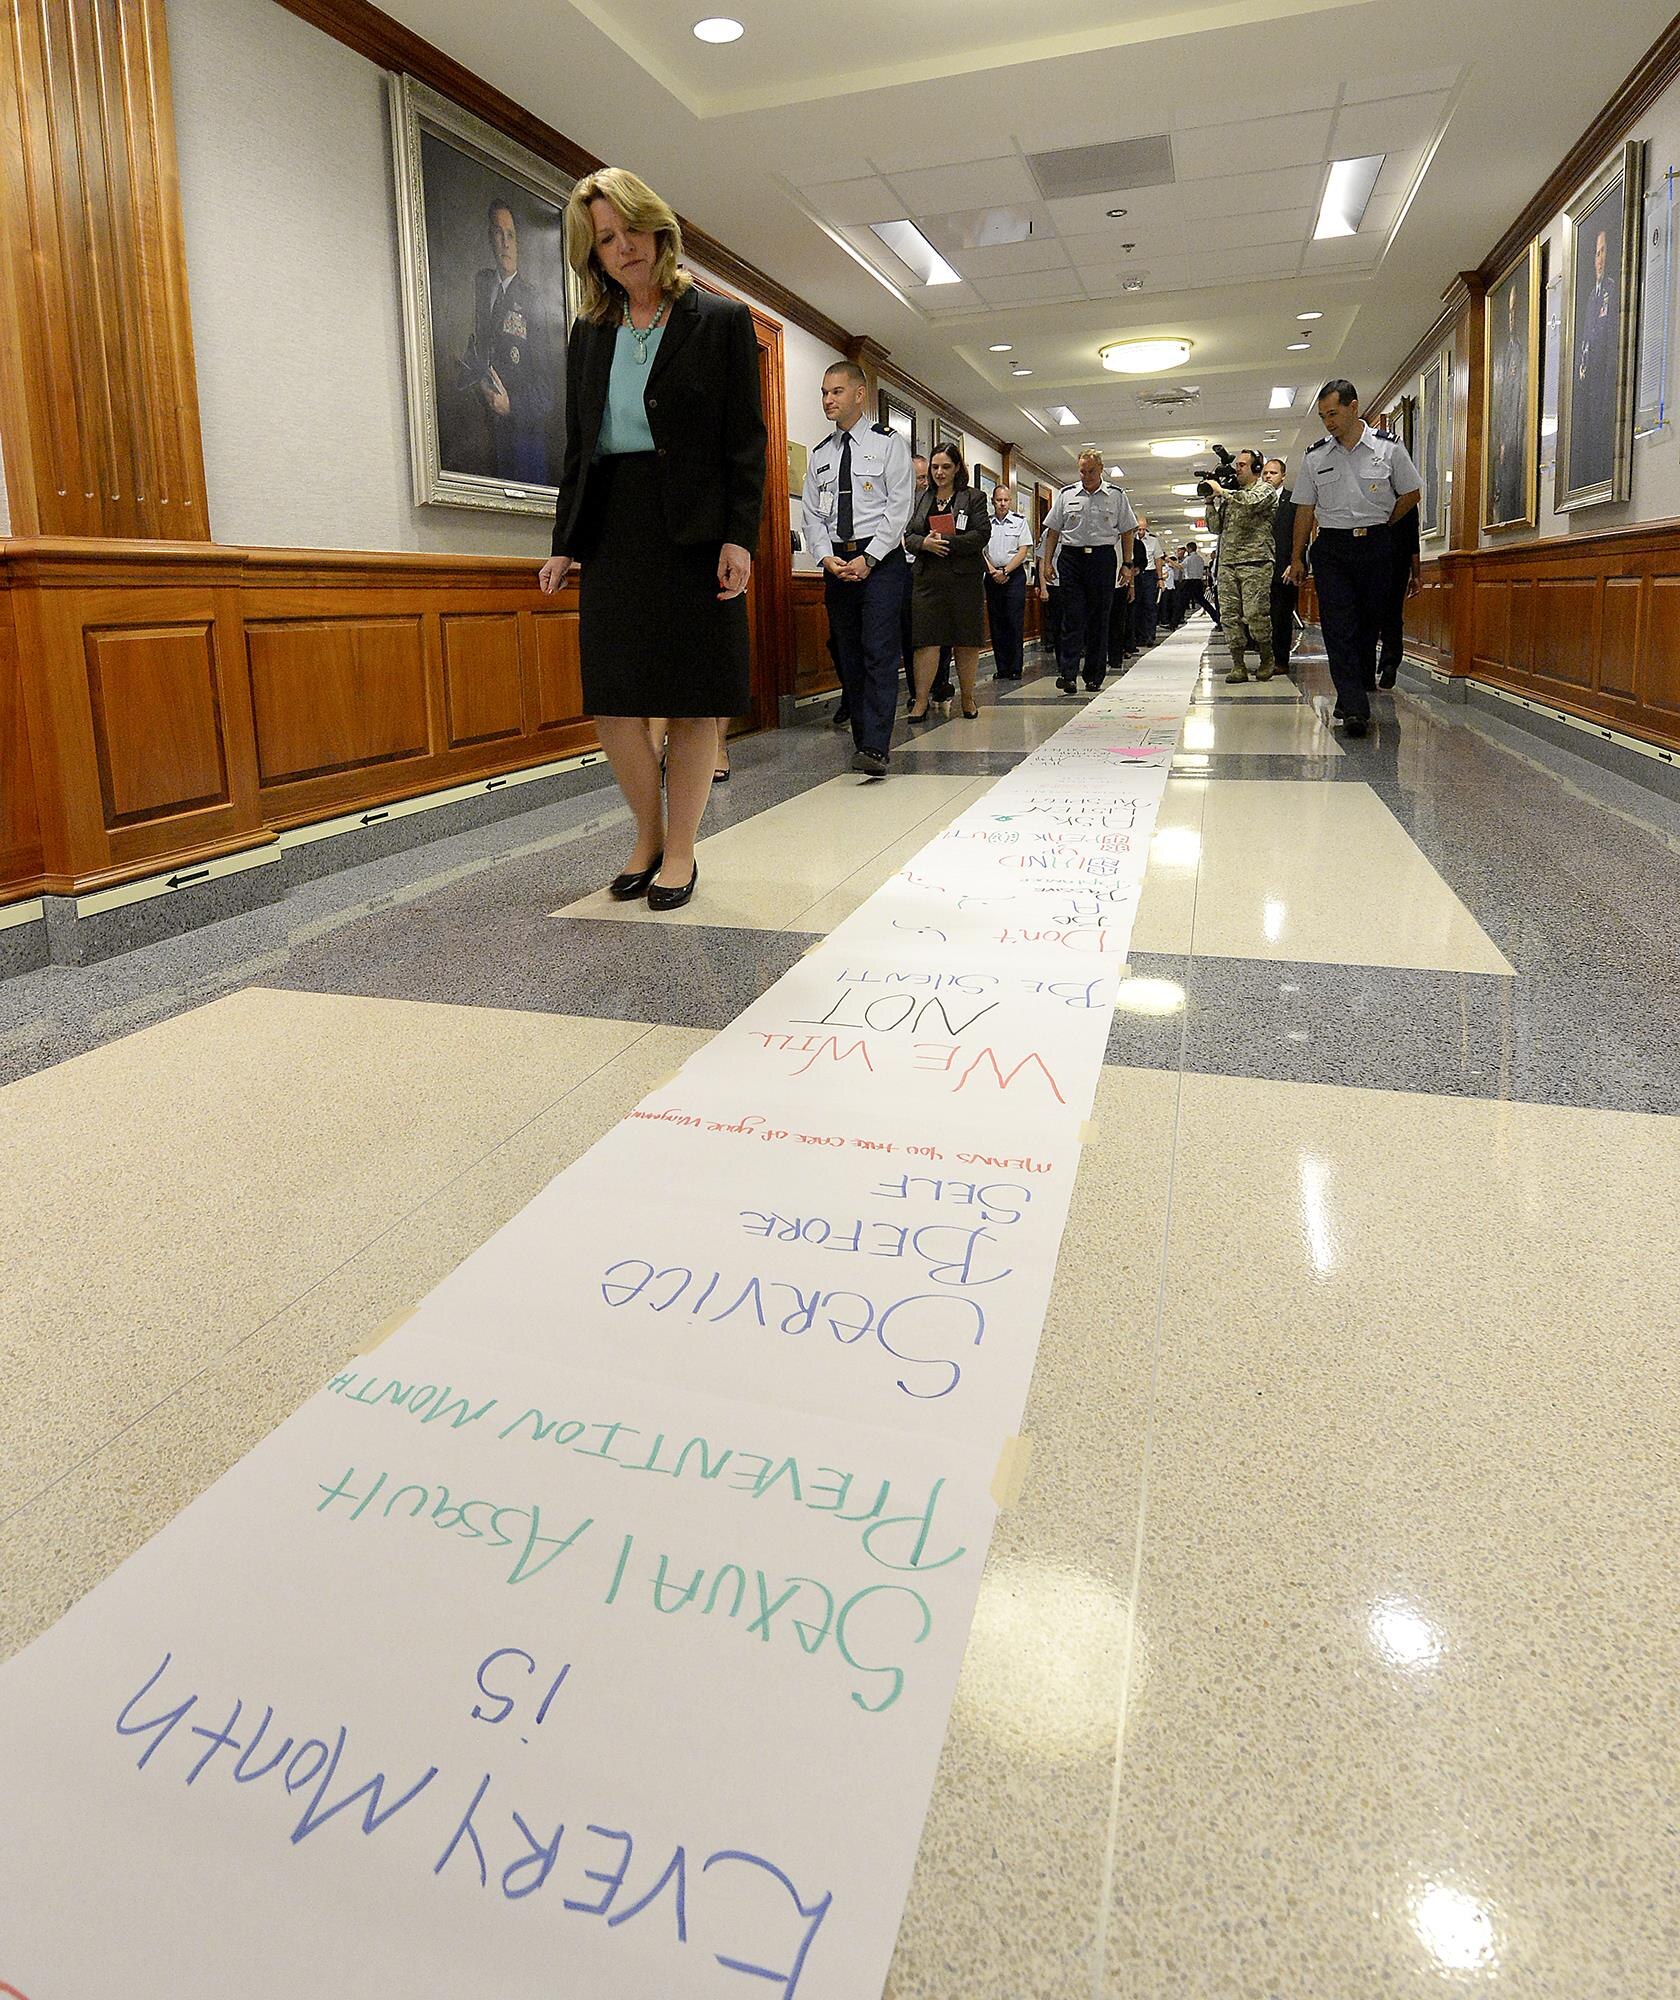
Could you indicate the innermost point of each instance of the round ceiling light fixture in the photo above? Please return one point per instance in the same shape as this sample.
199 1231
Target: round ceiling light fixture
1020 371
1144 357
1186 493
1298 347
1002 347
1114 214
1177 447
1307 316
718 28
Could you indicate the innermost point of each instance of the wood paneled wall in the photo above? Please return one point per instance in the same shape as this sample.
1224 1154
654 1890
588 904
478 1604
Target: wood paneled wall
98 395
813 670
160 704
1591 625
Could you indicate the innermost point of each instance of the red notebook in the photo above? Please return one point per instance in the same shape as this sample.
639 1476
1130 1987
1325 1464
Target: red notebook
942 524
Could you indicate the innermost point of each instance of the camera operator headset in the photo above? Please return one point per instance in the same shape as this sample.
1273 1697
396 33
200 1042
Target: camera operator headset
1240 509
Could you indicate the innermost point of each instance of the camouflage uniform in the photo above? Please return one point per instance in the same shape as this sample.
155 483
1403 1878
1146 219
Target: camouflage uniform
1243 520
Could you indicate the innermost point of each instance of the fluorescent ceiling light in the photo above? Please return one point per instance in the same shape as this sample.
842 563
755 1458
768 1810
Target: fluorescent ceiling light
1194 513
916 253
1346 193
1307 316
1002 347
1144 357
1031 419
1185 492
1282 399
719 28
1177 447
1063 415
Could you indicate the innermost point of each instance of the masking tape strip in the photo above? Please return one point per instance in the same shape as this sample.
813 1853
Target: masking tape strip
383 1332
1011 1473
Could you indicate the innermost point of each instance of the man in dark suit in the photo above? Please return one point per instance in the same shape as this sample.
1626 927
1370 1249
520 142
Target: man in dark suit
1284 595
509 362
1592 414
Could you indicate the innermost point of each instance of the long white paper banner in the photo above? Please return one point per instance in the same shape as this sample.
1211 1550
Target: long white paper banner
597 1633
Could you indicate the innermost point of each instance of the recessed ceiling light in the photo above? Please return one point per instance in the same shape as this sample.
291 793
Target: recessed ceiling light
1177 447
1114 214
1305 316
1298 347
1268 436
1283 399
718 28
1346 194
1185 492
915 253
1194 513
1002 347
1132 285
1144 357
1020 371
1063 415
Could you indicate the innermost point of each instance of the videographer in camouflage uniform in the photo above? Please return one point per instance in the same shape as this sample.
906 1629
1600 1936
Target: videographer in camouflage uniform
1242 516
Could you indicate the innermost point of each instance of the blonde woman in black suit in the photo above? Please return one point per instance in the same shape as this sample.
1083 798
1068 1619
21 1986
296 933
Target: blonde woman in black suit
661 492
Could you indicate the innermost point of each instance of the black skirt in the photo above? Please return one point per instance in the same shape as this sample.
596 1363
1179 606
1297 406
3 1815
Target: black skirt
948 602
653 637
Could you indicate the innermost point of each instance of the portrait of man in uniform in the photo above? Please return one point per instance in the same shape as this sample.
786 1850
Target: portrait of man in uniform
1510 442
486 308
1601 291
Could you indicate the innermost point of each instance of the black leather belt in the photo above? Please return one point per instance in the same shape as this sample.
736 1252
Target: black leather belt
855 547
1358 534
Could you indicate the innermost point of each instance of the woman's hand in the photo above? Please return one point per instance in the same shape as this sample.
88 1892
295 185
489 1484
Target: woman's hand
935 545
734 568
553 573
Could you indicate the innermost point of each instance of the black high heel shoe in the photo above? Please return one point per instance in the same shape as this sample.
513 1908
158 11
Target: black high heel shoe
672 899
627 887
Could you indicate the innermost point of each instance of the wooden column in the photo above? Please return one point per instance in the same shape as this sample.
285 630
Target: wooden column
98 395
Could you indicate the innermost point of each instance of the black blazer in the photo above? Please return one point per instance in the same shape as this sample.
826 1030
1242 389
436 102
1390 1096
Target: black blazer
704 410
973 512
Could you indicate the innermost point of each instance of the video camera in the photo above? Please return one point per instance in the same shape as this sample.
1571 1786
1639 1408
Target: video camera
1222 475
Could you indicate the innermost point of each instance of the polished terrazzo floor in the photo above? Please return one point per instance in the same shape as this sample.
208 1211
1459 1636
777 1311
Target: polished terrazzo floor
1330 1650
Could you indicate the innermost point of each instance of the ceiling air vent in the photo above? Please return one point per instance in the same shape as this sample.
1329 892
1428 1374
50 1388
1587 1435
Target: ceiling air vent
1110 169
1167 399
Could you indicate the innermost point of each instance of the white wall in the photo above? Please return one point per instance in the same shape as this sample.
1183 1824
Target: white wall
290 210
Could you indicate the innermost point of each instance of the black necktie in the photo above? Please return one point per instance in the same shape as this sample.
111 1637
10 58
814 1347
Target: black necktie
845 521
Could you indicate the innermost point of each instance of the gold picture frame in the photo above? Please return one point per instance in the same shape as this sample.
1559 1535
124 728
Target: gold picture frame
1600 328
1511 395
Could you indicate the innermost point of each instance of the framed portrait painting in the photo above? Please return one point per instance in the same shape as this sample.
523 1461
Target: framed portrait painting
1434 418
899 417
486 305
1603 236
1511 396
985 479
944 433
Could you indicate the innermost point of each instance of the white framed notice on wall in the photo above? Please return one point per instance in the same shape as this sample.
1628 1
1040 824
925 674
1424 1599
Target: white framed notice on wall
1552 334
1656 309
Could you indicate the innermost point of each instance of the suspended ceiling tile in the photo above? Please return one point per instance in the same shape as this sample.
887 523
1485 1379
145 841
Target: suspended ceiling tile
1221 151
1039 253
859 202
1255 194
973 184
1418 83
1030 288
1214 108
1230 232
1087 214
1388 125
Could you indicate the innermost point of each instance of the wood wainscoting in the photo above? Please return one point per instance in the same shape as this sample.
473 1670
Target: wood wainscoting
162 704
1590 625
813 669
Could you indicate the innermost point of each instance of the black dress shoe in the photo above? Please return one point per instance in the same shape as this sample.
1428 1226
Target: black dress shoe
672 899
1066 687
1356 725
626 888
872 763
1385 679
842 716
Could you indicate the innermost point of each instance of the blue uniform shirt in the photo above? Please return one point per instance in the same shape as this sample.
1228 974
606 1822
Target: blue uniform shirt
1090 520
1355 488
883 490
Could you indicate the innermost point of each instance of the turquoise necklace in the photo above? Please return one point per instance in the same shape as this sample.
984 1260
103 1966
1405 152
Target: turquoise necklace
641 335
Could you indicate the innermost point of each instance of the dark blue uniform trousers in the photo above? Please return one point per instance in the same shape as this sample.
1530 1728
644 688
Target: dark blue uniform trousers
863 622
1148 590
1355 579
1006 609
1087 581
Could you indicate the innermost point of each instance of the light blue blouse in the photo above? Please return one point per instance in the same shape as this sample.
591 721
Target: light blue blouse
624 424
